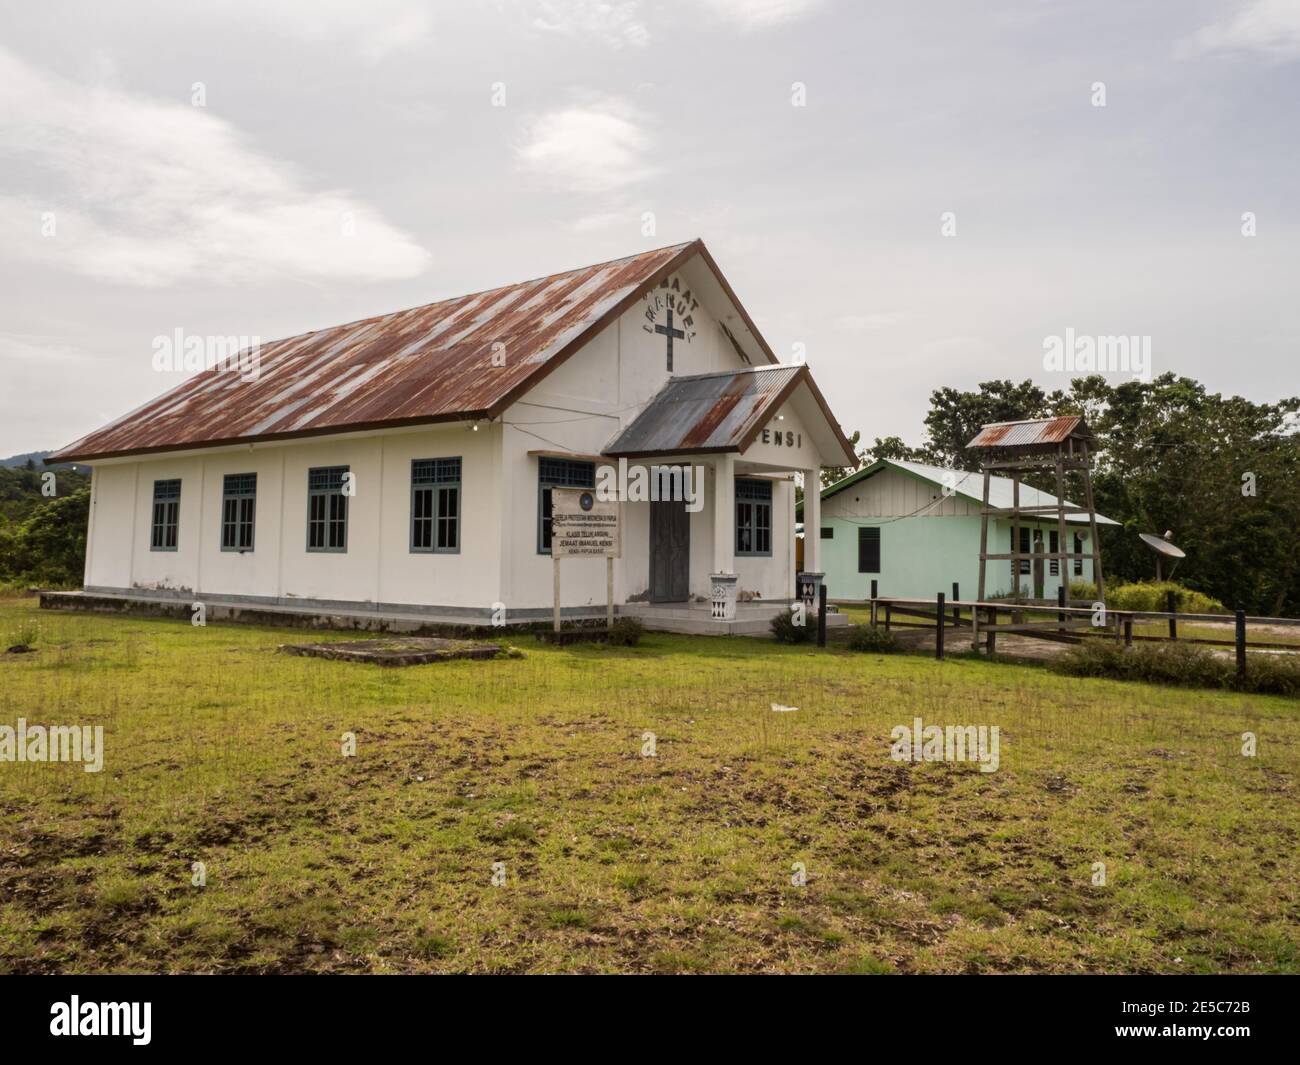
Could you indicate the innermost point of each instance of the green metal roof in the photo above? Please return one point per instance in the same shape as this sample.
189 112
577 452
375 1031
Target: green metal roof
968 485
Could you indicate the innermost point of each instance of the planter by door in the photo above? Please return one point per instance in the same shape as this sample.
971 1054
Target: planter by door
670 552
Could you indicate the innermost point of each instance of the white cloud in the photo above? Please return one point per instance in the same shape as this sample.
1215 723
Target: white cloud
147 193
760 14
615 22
596 147
1268 26
376 29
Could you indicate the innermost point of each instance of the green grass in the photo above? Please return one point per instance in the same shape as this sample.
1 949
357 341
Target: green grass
220 751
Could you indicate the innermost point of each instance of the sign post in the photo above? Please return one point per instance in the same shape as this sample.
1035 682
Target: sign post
583 526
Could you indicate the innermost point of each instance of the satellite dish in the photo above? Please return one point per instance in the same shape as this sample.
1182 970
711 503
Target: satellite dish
1161 546
1163 549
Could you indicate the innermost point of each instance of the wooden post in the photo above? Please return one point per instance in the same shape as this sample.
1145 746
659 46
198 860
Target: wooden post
992 635
609 591
1088 502
956 610
1060 603
1241 646
1062 532
1171 601
887 611
1015 541
874 583
1128 631
939 620
556 616
984 547
821 615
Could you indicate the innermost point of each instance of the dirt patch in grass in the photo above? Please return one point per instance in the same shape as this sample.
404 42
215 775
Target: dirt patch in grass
509 819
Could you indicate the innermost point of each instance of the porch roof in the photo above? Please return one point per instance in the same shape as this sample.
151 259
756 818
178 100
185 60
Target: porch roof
719 412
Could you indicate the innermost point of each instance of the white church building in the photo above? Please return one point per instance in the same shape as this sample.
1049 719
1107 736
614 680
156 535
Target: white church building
403 465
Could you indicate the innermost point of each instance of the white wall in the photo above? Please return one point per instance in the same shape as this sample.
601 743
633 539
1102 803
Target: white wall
892 492
378 565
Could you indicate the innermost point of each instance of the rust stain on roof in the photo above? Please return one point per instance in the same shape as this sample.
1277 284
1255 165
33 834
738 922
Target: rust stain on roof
423 364
1038 432
706 424
708 412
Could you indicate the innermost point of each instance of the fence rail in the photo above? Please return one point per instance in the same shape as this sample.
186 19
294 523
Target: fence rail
1064 622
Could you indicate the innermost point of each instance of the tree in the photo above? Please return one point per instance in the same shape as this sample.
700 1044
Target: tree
890 447
955 417
831 474
893 447
50 546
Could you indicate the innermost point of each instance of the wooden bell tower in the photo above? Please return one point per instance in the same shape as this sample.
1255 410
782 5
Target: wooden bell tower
1015 449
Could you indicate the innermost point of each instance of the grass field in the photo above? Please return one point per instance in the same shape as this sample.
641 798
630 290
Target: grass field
220 751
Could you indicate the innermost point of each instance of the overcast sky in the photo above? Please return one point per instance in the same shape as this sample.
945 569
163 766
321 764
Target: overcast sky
348 158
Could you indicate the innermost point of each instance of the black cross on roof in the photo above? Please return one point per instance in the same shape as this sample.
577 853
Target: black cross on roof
670 332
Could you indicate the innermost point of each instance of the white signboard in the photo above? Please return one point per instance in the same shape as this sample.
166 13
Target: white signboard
583 526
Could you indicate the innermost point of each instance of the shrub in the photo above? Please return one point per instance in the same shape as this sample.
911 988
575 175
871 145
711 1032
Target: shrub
872 639
1273 674
786 631
1081 589
1173 663
1182 664
625 632
1148 595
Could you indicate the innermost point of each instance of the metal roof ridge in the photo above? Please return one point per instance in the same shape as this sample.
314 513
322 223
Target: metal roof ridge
485 291
733 373
1031 421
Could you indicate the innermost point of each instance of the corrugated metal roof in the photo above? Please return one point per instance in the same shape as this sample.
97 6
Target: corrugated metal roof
707 412
970 486
424 364
1036 432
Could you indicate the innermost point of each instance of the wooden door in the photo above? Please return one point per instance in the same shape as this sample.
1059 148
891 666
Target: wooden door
670 551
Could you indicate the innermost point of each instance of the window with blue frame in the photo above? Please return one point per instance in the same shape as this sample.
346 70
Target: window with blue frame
557 473
327 509
238 511
165 528
753 516
435 505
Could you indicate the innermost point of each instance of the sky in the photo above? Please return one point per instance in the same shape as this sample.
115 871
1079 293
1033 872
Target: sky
912 195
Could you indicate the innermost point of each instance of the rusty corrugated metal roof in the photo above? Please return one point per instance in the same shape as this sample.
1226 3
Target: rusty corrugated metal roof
424 364
1033 433
707 412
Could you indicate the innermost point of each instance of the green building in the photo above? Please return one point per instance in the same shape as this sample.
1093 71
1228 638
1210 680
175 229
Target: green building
915 529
